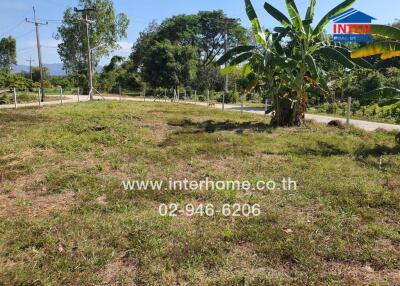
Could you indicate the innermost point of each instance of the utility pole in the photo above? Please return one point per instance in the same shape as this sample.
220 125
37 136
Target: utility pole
226 50
37 24
226 75
30 66
89 51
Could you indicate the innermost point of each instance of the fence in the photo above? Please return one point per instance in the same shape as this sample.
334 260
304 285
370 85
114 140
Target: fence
23 96
209 97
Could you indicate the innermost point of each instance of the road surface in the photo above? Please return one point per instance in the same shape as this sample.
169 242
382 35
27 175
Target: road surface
366 125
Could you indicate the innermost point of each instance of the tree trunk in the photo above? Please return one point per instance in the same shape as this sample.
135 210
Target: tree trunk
288 113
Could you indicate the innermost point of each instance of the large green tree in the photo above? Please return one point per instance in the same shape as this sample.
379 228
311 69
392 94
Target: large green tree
204 31
8 52
117 74
105 30
170 65
141 47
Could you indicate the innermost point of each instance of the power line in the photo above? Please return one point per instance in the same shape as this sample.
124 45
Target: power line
30 66
24 34
25 48
37 24
12 28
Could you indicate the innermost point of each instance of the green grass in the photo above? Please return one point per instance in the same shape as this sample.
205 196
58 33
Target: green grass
66 220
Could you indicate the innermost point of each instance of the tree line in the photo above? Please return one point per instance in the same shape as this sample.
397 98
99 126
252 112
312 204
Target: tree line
295 64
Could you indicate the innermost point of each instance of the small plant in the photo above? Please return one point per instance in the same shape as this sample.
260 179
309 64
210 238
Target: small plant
24 203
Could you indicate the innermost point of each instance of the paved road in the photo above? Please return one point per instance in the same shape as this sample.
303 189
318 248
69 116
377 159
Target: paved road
366 125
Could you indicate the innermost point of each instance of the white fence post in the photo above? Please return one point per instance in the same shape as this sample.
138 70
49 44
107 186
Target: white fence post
78 94
195 97
348 111
144 94
39 97
266 106
15 98
223 100
208 97
61 95
165 94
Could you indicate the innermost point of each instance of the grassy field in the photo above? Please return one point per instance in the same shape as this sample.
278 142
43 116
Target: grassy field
65 218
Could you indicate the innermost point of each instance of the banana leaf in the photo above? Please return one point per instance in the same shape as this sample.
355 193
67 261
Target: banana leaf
238 60
359 61
312 65
294 14
377 48
278 15
311 10
255 24
233 52
335 55
385 31
335 11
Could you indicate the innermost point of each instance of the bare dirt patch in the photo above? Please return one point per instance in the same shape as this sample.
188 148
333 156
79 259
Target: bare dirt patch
159 130
33 205
119 272
363 275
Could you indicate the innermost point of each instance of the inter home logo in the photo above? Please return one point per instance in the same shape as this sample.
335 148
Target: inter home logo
352 26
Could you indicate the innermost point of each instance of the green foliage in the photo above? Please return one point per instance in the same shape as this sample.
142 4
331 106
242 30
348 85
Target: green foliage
230 97
36 73
8 52
207 78
169 65
104 33
392 76
335 11
258 32
387 49
387 113
14 80
141 47
202 31
382 94
116 75
360 82
61 81
291 72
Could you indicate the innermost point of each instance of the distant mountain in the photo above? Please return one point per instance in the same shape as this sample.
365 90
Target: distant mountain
54 69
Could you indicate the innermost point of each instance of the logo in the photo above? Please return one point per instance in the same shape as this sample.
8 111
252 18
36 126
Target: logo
352 26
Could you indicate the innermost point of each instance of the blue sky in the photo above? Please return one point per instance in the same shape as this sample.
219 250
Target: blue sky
140 13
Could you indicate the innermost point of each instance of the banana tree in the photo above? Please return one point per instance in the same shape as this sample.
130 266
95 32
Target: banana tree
264 60
297 58
388 47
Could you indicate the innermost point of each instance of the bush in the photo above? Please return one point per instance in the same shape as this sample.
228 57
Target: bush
390 113
230 97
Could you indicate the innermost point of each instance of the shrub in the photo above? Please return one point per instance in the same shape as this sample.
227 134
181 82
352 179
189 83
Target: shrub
230 97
